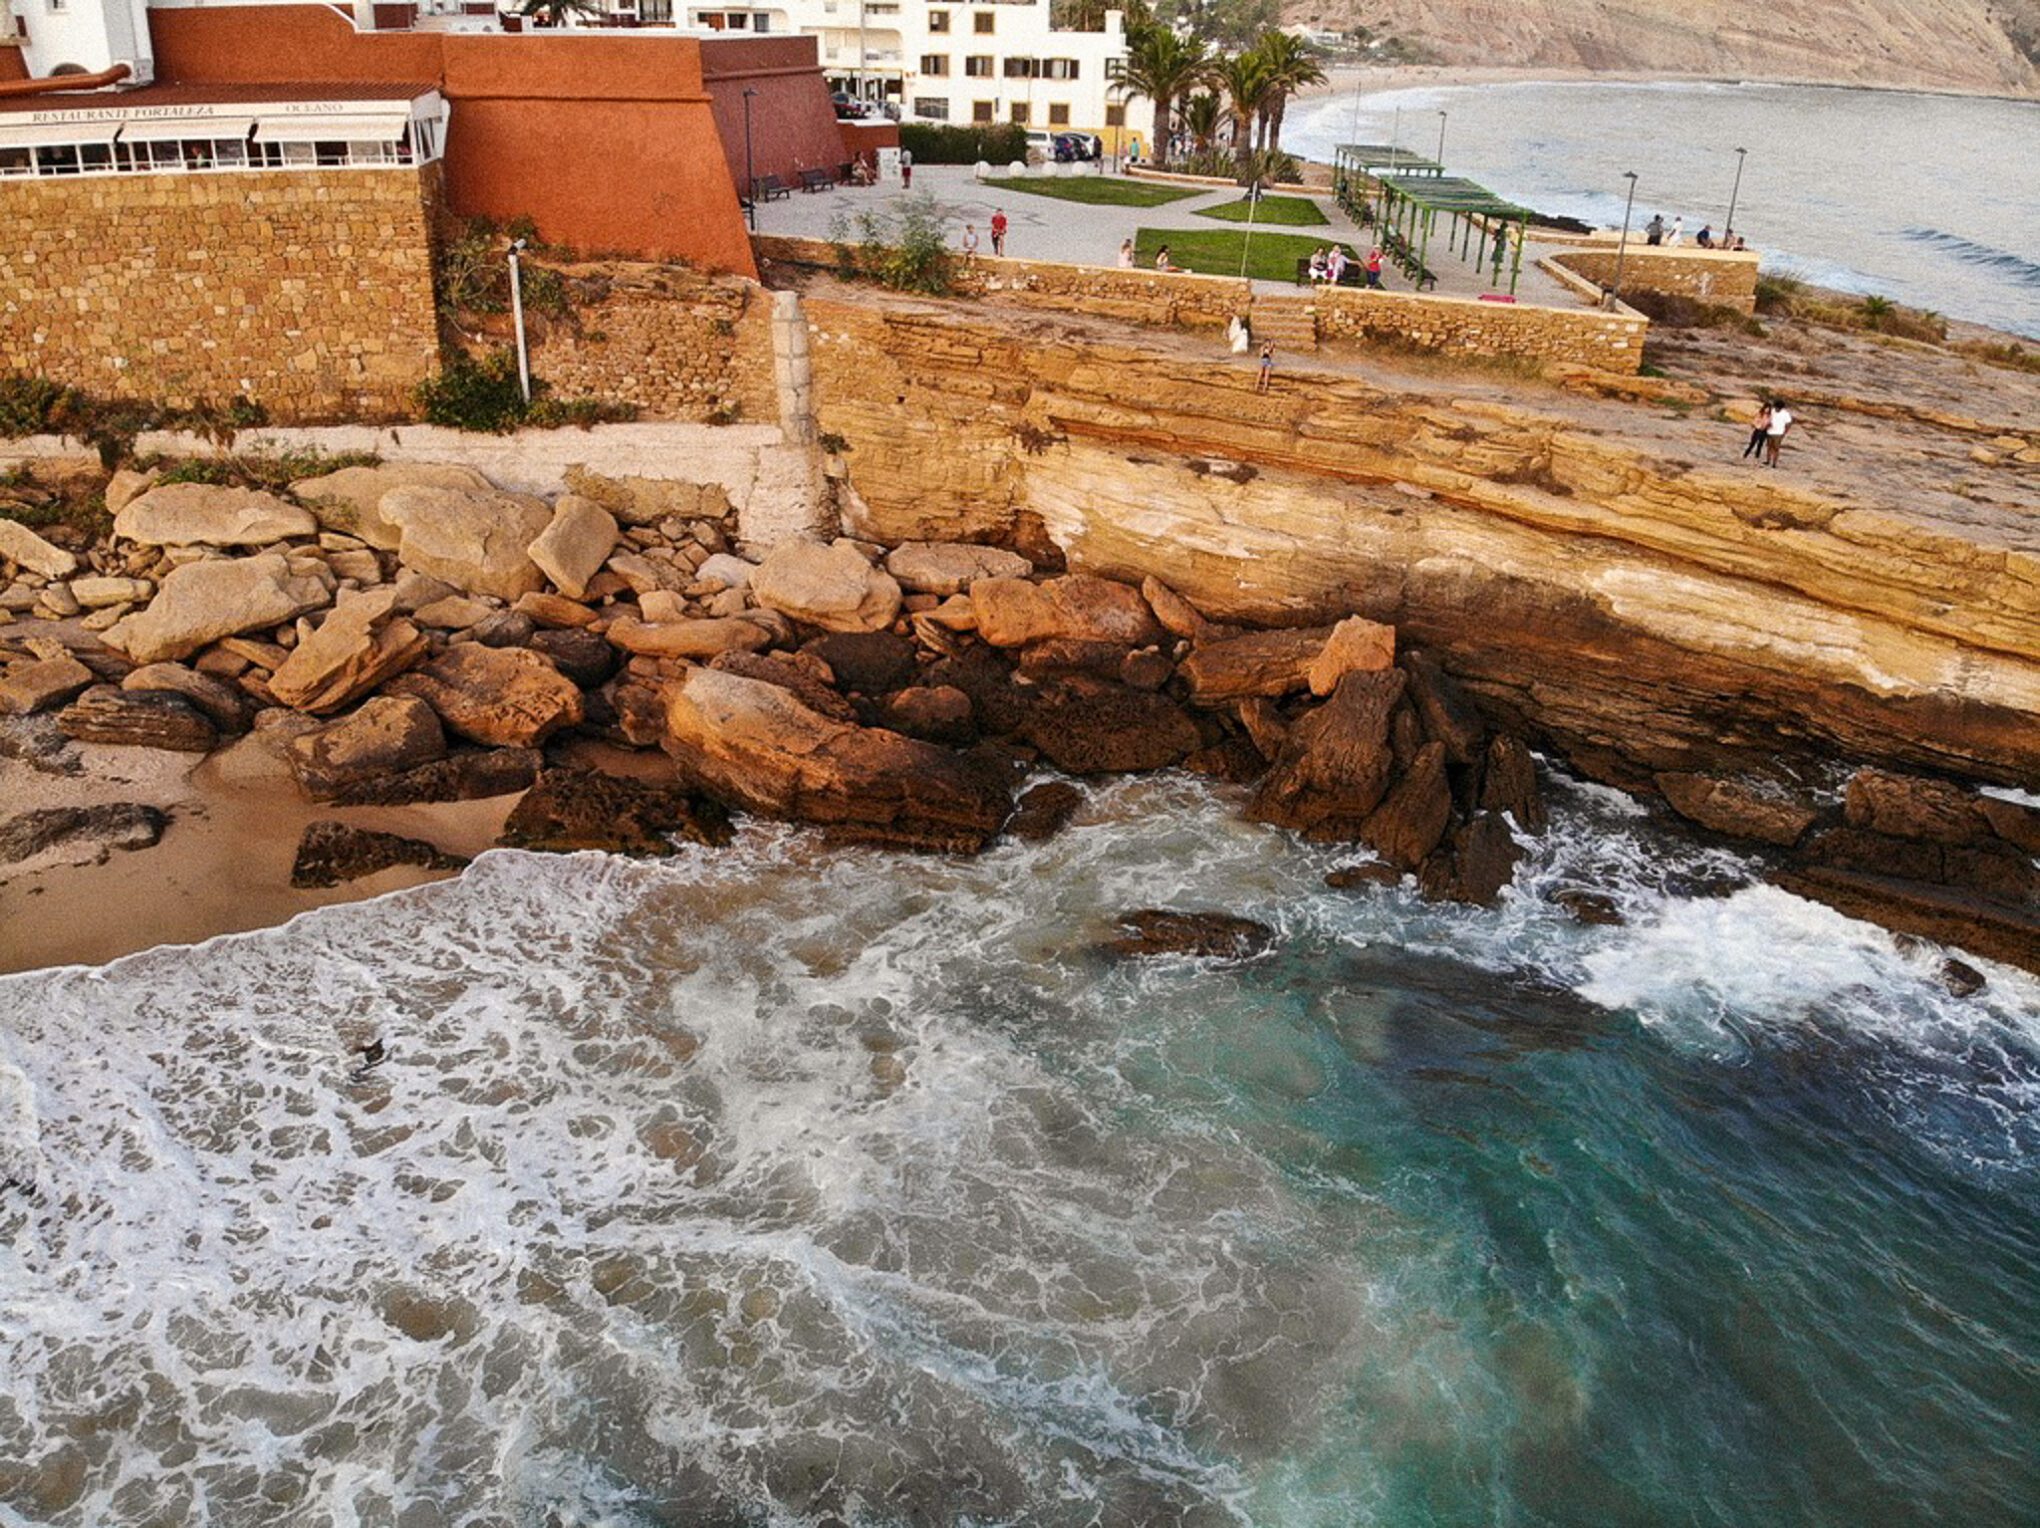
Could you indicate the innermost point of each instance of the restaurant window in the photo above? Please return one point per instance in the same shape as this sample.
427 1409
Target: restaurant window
1059 68
981 22
932 108
981 111
935 63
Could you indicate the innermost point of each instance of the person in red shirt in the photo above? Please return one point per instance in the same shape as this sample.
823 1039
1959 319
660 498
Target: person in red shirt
1374 266
998 230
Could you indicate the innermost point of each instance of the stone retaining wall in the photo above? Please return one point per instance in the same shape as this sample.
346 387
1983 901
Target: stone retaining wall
309 291
1704 275
678 343
1450 325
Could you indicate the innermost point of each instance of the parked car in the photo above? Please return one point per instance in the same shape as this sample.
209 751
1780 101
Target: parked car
1078 146
1040 147
847 105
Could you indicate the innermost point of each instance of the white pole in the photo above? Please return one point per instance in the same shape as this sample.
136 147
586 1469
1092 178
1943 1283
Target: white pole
517 316
1253 199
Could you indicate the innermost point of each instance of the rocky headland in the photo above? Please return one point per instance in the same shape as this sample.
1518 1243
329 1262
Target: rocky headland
612 667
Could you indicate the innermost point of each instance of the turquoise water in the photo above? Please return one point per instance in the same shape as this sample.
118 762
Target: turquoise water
1931 200
780 1185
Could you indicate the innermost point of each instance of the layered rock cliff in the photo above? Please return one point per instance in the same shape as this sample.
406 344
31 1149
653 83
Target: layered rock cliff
1635 611
1980 45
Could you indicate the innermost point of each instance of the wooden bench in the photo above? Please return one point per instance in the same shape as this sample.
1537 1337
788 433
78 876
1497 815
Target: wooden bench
817 180
767 188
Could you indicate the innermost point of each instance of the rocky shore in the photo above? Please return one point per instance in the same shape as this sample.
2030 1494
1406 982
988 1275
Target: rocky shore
396 637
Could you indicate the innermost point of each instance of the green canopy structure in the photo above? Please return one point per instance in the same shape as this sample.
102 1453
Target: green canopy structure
1477 220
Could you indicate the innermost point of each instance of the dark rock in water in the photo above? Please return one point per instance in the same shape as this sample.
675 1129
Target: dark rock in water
1754 807
1408 825
583 656
571 809
459 777
1335 763
802 673
2003 930
1235 760
1485 854
1448 717
1045 810
1095 728
118 825
1589 907
1214 936
332 852
934 714
1509 783
1370 873
1961 978
1991 869
870 662
138 719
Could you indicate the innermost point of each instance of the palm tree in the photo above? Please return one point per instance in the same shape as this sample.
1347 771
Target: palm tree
1203 114
1292 65
1162 66
1249 82
550 13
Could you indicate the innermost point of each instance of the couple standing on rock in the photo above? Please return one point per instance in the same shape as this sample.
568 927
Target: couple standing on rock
1767 432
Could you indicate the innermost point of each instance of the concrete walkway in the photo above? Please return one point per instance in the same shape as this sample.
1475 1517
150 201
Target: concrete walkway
1078 233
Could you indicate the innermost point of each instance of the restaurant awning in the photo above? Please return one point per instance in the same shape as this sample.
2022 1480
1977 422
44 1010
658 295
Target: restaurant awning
378 126
170 129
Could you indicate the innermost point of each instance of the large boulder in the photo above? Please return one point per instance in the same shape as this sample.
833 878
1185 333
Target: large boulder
832 587
1261 663
226 706
1012 612
870 662
386 736
1756 807
703 638
202 602
332 852
755 745
1448 716
1411 821
138 719
1908 806
19 544
1208 936
202 514
472 538
509 697
1509 783
951 567
1356 646
575 809
350 500
1335 763
575 544
82 833
361 643
473 775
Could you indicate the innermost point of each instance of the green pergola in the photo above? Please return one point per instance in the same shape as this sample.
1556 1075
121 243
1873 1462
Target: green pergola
1353 164
1411 206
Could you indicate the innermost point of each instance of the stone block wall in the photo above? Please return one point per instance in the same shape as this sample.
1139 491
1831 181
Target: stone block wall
1711 276
678 343
1449 325
1458 326
309 291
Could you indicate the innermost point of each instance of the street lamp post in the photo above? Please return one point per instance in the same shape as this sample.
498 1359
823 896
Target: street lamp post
517 318
750 175
1622 247
1736 190
1441 138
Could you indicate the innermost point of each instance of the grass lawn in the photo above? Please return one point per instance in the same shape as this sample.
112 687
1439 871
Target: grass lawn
1287 211
1098 190
1273 256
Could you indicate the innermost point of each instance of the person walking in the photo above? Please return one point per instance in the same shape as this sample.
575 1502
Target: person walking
1267 365
906 169
999 231
1654 230
1775 431
1759 428
1374 267
1678 231
1126 255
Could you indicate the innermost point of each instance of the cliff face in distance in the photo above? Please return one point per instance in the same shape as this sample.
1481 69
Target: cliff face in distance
1991 46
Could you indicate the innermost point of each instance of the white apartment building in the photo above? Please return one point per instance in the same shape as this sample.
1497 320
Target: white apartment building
973 61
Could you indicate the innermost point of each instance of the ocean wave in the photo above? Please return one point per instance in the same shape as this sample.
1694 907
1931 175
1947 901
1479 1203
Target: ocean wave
2021 269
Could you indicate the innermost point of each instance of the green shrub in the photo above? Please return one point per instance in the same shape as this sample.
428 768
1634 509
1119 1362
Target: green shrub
942 143
1779 294
905 248
483 396
28 404
474 271
274 471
